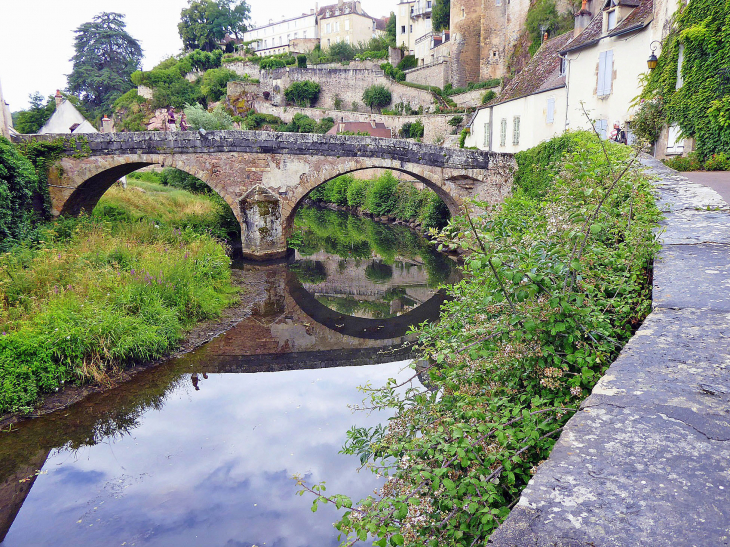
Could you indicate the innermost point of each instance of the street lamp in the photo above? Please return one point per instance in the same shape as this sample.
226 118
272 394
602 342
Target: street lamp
652 61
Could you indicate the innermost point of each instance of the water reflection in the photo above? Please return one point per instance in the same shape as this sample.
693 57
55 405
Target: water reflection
200 450
362 268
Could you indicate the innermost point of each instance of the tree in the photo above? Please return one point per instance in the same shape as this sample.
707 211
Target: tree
303 93
390 28
377 96
441 15
31 120
106 55
204 23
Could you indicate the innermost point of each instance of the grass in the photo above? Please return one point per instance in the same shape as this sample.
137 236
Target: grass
105 291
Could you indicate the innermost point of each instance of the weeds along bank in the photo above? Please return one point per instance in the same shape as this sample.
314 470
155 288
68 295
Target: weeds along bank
557 280
86 296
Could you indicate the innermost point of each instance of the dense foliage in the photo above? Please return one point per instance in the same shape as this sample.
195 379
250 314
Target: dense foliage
199 118
701 104
105 56
408 62
304 93
205 23
390 29
557 281
30 121
18 185
377 96
105 291
301 123
384 196
214 83
543 17
441 15
412 130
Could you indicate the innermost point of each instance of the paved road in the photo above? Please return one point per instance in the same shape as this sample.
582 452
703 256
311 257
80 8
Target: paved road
719 181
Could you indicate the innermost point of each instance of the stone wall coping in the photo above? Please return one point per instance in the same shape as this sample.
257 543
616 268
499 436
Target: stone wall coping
646 459
303 144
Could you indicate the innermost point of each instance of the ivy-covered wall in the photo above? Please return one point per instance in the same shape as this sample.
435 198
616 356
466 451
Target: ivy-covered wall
701 103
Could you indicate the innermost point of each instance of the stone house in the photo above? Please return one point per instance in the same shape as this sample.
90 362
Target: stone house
290 35
66 119
597 68
530 109
345 22
413 27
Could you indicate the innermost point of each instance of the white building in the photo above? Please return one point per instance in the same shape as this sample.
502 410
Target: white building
66 119
347 22
277 37
600 65
6 120
413 27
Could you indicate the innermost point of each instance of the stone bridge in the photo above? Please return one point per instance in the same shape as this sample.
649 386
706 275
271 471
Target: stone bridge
264 176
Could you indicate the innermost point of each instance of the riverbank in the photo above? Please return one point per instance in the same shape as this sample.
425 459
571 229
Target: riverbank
94 296
558 280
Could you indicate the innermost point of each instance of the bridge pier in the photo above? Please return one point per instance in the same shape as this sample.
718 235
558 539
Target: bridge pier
263 176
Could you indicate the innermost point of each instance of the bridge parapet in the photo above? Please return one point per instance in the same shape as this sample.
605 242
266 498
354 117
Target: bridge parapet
264 176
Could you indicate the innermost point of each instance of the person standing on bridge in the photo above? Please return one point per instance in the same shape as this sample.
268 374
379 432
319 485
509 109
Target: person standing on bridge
183 122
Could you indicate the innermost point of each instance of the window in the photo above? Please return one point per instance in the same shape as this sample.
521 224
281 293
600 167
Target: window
328 42
347 39
337 26
403 29
499 2
605 73
328 28
674 144
611 19
516 131
347 24
295 35
486 135
304 34
602 128
550 110
563 66
413 9
410 29
463 12
428 4
503 133
680 62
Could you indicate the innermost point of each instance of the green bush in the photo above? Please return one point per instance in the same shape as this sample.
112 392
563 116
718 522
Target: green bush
177 94
378 271
199 118
392 72
341 51
304 93
488 96
301 61
271 63
408 62
649 119
18 188
718 162
690 163
412 130
381 196
538 166
377 96
357 192
215 83
184 181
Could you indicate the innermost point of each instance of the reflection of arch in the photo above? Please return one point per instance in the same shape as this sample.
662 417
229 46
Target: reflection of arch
440 188
101 177
359 327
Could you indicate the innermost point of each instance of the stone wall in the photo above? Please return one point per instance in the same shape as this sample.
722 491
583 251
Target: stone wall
471 98
435 74
145 92
435 126
466 38
347 84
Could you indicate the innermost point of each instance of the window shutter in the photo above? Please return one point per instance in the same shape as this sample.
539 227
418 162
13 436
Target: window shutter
486 135
680 62
601 72
608 73
503 133
551 110
516 131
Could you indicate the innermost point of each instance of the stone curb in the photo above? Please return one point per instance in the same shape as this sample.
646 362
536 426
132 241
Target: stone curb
646 460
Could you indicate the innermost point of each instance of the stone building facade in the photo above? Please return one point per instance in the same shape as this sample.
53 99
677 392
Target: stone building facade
6 120
345 22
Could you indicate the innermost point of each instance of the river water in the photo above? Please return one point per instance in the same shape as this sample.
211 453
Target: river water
201 449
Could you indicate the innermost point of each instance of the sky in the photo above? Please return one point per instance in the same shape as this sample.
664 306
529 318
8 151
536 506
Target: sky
36 36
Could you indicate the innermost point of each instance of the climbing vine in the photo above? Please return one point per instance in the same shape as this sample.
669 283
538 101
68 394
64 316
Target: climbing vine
700 104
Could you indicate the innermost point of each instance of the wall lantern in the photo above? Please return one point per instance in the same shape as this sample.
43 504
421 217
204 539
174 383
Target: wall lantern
652 61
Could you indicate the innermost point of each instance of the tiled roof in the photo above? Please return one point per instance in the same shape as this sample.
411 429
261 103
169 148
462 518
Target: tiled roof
541 73
332 8
374 129
381 23
637 19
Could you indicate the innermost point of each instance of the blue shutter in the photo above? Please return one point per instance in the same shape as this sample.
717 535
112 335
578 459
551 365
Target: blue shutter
608 73
601 72
551 110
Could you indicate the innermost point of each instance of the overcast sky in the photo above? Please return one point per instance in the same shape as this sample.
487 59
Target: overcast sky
36 36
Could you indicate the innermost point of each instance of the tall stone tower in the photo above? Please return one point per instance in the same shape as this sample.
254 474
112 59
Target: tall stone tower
466 39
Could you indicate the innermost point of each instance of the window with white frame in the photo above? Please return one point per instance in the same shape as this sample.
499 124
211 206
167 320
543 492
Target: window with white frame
487 135
680 62
675 145
347 24
503 132
516 131
605 73
563 66
337 26
328 28
550 118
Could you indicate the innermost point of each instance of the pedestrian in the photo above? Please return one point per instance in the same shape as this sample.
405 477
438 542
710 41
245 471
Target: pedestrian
183 122
170 119
618 135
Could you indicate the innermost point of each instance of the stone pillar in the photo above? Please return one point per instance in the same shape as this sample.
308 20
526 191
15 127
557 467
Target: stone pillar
106 125
262 233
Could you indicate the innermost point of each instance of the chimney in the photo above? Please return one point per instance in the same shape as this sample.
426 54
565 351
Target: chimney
583 18
59 98
106 125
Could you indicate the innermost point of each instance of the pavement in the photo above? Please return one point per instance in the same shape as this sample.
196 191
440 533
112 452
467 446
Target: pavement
646 460
719 181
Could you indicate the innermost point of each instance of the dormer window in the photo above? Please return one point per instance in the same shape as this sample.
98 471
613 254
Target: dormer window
610 11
